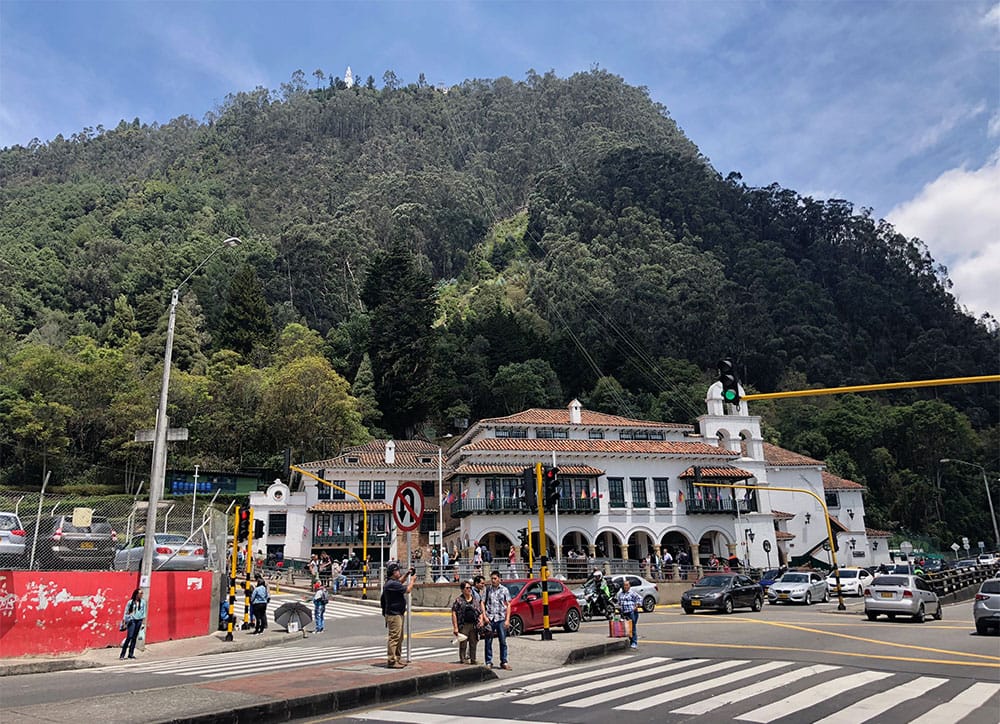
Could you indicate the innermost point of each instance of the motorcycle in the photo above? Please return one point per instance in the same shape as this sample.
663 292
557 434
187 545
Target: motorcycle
596 602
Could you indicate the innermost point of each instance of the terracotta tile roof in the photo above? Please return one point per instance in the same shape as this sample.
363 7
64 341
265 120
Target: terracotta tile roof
875 533
729 473
782 515
361 459
779 456
832 482
516 470
635 447
782 535
414 446
537 416
838 526
346 506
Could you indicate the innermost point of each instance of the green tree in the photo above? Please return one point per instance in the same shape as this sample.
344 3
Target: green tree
246 319
527 384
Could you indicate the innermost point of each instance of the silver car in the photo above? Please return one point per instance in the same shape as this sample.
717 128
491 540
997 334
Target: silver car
649 591
12 535
798 587
170 553
986 607
896 595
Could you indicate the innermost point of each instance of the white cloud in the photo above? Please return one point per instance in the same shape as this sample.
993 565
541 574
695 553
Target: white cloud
958 216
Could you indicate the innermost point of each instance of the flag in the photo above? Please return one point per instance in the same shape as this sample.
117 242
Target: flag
680 496
593 493
491 496
465 493
583 494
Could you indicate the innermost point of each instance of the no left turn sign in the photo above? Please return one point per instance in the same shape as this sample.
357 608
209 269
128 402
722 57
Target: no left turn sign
408 506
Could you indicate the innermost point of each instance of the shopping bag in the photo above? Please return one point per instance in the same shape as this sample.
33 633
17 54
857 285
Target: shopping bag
616 629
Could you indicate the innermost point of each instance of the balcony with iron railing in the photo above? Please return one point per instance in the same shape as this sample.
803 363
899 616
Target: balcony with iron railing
515 506
698 502
346 538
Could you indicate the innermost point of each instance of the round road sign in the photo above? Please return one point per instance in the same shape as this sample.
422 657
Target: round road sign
408 506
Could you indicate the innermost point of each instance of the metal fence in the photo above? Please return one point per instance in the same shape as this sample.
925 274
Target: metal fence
72 532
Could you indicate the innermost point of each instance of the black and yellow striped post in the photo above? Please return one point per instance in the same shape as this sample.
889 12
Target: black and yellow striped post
543 559
232 576
248 573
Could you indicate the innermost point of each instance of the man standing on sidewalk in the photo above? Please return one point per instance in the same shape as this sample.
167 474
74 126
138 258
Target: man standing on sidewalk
628 603
496 601
393 602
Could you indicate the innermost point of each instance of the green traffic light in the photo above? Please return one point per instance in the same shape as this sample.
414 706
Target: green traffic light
730 395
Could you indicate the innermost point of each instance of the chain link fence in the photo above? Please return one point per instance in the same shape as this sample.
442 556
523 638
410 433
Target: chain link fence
72 532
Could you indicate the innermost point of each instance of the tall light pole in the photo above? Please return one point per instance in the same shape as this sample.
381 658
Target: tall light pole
989 498
158 470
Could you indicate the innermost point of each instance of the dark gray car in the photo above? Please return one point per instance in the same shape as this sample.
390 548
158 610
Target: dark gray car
723 592
64 545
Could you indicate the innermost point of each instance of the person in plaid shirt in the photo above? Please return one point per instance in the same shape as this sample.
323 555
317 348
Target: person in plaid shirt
628 603
496 601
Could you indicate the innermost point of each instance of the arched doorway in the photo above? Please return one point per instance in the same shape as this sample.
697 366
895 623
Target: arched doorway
608 545
640 545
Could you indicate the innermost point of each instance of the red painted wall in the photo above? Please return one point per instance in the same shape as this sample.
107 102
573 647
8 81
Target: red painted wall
54 612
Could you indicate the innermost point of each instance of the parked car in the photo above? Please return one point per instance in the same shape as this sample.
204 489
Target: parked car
649 591
723 592
986 607
64 545
526 605
987 559
12 536
852 581
170 553
798 587
967 563
907 595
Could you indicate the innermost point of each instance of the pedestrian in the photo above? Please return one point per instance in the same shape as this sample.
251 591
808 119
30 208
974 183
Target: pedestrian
466 617
444 558
314 568
628 603
319 606
477 559
512 561
478 587
258 602
325 568
393 602
135 614
337 576
667 564
496 600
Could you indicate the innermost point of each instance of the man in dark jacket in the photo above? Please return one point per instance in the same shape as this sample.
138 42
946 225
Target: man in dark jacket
393 602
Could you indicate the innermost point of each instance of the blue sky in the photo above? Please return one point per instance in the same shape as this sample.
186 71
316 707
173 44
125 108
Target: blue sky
894 106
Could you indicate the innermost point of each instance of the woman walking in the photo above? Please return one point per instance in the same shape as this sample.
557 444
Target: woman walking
319 606
135 614
466 616
258 602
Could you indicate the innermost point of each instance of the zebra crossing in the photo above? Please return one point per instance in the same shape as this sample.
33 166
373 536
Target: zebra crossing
729 690
276 658
336 608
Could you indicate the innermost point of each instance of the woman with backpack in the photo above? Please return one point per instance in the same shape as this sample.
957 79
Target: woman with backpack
466 616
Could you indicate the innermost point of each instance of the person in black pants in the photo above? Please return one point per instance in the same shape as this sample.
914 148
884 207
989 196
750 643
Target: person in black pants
258 602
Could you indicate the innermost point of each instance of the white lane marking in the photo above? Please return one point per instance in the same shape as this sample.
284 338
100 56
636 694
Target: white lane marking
645 686
761 687
807 698
871 707
961 705
558 681
415 717
701 687
510 682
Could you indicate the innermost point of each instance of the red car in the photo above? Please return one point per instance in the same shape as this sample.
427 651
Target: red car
526 605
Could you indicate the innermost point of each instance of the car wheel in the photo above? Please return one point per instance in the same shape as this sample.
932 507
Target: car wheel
758 604
585 613
572 623
981 628
871 615
516 626
939 614
826 596
808 599
688 610
918 617
648 604
727 606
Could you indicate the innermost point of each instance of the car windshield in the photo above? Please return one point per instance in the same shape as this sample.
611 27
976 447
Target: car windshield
8 522
990 587
891 581
713 582
795 578
845 574
167 538
514 587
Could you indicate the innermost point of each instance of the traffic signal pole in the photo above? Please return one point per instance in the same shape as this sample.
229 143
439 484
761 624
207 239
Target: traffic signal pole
543 559
232 576
873 388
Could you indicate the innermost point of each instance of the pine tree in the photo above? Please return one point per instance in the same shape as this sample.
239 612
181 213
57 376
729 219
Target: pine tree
246 321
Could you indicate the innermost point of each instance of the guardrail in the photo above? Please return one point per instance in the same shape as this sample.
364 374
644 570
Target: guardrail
955 580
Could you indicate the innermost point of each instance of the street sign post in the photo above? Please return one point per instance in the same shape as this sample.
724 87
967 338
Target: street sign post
954 548
965 543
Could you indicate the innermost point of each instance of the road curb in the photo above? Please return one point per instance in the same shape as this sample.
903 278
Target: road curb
339 701
597 650
45 667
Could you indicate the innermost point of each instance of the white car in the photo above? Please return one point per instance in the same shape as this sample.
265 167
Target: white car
649 591
852 581
798 587
987 559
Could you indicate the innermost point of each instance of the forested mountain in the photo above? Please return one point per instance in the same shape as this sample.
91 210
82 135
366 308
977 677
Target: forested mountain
413 257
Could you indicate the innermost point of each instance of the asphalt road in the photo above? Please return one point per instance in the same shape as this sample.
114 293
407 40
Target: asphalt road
789 664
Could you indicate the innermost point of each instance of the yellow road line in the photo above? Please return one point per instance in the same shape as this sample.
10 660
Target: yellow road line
753 647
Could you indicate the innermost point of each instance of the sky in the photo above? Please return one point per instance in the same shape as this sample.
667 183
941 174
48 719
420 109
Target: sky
893 106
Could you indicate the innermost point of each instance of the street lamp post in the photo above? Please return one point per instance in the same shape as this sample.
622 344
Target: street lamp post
158 470
989 498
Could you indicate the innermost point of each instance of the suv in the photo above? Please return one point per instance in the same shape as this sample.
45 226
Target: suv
987 559
12 536
986 607
63 545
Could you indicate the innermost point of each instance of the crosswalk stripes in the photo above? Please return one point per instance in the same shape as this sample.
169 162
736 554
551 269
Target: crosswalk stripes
246 663
736 690
336 608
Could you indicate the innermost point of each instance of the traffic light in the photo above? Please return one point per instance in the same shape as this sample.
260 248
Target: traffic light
243 532
522 534
530 490
258 529
730 381
550 479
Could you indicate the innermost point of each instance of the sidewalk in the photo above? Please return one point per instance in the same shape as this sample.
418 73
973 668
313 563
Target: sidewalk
300 692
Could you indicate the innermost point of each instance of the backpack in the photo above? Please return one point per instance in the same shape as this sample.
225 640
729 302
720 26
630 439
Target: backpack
469 613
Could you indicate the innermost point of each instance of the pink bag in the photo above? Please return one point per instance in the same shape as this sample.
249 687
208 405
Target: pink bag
617 629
